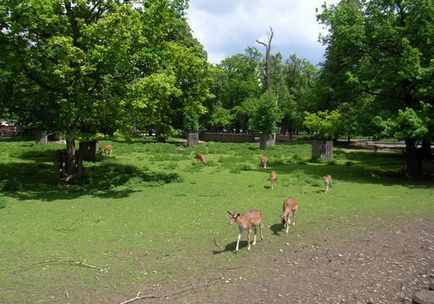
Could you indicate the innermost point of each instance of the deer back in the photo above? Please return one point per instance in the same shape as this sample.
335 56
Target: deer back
289 205
327 179
252 218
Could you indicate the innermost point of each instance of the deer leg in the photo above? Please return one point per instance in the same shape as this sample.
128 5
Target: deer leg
254 237
260 232
238 242
248 239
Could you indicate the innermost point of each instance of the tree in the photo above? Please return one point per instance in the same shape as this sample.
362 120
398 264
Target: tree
383 50
235 80
265 119
81 67
267 70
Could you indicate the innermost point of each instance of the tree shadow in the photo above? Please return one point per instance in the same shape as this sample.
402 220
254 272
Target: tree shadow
27 181
386 168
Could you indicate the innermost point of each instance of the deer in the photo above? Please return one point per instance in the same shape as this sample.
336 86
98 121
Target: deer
107 150
201 157
290 206
264 161
327 182
273 178
251 220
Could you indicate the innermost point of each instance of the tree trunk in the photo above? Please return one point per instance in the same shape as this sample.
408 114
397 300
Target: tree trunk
425 150
413 159
322 149
192 139
267 59
88 150
70 160
41 137
267 141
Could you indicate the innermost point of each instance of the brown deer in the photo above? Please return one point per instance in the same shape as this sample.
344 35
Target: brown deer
107 150
327 182
290 206
251 220
273 178
201 157
264 161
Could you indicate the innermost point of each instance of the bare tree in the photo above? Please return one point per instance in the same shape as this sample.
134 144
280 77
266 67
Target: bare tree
267 58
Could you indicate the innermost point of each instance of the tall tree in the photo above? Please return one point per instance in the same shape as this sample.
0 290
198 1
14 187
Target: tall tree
82 66
235 82
383 49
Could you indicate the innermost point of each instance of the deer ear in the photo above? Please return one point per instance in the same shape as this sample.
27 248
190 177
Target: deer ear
230 213
238 214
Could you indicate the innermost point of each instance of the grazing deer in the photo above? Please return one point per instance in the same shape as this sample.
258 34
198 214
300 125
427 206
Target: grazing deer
290 206
264 161
249 221
327 182
107 150
201 157
273 178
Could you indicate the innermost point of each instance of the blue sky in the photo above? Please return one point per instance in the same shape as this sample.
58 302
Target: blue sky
227 27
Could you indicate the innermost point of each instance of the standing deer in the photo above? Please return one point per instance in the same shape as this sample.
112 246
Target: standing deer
107 150
273 178
290 206
249 221
327 182
264 161
201 157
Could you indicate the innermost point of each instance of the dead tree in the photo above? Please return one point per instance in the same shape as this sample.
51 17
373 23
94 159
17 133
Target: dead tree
267 58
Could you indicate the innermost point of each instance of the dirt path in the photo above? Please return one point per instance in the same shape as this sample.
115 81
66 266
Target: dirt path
385 264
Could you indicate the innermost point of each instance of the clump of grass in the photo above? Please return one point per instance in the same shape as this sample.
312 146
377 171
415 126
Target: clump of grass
332 163
170 166
349 163
165 157
2 203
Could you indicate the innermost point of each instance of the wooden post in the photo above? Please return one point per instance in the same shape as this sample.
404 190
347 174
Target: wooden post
192 139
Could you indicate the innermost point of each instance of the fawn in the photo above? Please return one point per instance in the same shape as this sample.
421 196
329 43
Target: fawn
290 206
107 150
327 182
201 157
251 220
273 178
264 161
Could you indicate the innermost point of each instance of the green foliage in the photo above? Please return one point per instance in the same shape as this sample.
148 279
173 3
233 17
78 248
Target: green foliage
325 125
407 124
267 114
379 63
220 117
87 67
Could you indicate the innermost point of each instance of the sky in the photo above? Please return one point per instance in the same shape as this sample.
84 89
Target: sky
227 27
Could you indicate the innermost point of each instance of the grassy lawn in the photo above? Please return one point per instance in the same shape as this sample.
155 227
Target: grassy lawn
150 212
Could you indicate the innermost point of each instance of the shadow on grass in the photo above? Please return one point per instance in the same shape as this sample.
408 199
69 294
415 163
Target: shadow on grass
356 167
230 247
276 228
27 181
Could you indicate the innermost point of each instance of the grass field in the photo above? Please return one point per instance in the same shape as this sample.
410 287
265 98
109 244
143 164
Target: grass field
150 212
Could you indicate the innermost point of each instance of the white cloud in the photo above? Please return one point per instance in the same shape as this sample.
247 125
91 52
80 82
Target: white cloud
227 27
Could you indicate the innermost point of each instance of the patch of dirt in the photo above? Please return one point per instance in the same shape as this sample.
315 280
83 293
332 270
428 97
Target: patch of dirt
384 263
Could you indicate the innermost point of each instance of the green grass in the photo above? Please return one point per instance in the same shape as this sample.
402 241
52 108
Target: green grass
151 212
